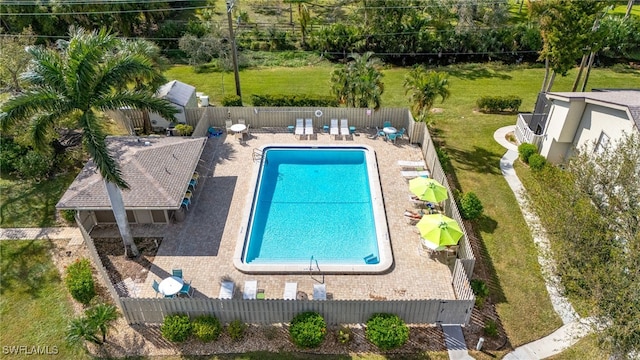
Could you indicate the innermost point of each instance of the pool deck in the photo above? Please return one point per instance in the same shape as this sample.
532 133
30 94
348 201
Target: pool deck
203 244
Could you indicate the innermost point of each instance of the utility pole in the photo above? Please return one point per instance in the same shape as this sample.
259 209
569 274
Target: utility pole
234 51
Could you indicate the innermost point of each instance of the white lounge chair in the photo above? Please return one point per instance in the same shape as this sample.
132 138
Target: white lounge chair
250 289
299 127
226 290
319 292
334 130
308 127
410 174
290 291
411 164
344 127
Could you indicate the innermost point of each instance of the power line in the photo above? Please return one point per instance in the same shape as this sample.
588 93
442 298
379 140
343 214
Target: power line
109 12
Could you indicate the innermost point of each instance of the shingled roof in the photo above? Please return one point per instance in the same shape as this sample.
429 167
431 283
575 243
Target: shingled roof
628 98
157 169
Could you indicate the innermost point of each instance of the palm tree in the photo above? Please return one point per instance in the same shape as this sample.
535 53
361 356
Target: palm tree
359 83
80 329
75 84
102 317
425 86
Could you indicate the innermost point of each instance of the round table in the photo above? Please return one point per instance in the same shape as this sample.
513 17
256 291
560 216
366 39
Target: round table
238 128
171 285
390 130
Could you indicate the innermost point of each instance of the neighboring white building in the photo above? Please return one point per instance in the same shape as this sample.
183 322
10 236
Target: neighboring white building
182 96
577 118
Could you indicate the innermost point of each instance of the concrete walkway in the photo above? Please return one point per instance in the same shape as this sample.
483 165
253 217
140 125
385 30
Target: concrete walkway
52 233
574 328
454 341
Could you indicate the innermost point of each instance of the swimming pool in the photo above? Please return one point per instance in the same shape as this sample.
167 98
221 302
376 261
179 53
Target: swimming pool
315 208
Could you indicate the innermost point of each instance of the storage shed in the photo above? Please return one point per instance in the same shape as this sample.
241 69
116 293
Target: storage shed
182 96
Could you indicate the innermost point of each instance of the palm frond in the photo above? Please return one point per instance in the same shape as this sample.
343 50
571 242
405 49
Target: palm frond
118 71
26 105
45 69
137 100
93 138
41 126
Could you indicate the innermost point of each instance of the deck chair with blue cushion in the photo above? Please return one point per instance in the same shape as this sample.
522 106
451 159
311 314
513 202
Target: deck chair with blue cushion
299 128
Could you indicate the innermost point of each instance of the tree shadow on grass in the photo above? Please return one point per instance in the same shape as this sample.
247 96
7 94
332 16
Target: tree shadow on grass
479 160
25 268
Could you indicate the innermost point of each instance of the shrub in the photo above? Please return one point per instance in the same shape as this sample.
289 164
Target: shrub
79 281
499 103
481 291
68 215
344 335
526 150
34 165
184 129
444 159
232 100
10 154
491 328
386 331
470 206
294 100
176 328
537 162
308 329
236 330
206 328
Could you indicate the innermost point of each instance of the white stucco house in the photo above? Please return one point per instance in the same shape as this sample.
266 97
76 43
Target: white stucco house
573 119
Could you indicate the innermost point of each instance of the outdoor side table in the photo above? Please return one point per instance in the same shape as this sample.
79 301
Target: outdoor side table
170 286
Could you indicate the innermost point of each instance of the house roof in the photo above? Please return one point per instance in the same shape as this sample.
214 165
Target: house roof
625 98
177 92
157 169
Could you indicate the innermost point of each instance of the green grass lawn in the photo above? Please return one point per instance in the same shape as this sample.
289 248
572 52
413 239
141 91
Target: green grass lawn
30 204
34 306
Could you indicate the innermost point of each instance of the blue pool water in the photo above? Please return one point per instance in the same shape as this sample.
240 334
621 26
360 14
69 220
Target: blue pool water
313 203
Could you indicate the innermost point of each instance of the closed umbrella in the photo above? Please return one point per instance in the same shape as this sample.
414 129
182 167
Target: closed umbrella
428 189
438 231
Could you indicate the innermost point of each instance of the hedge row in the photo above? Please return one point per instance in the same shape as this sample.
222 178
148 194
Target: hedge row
293 100
499 103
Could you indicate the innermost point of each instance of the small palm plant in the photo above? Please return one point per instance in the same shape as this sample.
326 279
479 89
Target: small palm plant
102 317
80 329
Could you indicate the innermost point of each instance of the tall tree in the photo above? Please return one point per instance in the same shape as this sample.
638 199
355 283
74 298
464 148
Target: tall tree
424 87
76 83
14 58
359 82
566 29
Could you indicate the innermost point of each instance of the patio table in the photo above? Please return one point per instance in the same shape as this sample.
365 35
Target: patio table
390 130
236 128
171 285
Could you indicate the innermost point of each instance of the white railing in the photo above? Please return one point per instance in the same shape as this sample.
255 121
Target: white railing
524 134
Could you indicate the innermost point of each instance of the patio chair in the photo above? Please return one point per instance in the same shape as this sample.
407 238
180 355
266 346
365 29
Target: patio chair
410 174
344 127
299 128
308 127
250 290
187 289
387 124
334 128
393 137
177 273
226 290
228 124
290 291
319 292
401 133
186 203
246 130
192 184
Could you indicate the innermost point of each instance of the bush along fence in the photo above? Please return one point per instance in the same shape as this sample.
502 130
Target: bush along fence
334 312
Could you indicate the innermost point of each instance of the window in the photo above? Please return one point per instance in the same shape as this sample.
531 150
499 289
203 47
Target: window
602 143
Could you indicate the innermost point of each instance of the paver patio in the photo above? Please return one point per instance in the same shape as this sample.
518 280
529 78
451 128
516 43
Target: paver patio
204 243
